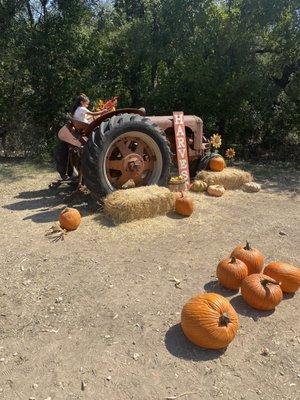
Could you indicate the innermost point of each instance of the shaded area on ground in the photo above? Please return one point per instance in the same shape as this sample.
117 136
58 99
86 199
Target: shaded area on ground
179 346
242 308
214 286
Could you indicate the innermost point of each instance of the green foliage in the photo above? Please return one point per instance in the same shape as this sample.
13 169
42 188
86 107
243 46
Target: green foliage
235 63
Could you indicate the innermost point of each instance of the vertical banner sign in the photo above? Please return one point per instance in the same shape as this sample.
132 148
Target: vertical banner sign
181 147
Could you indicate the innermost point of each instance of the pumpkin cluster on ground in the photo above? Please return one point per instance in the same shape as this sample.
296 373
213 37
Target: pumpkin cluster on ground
209 320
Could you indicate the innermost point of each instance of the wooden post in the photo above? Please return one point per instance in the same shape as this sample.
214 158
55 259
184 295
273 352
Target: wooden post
181 147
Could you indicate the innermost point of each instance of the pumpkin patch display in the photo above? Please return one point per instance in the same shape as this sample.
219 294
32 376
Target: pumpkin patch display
287 274
69 219
252 257
217 164
231 272
216 190
209 320
184 205
261 292
199 186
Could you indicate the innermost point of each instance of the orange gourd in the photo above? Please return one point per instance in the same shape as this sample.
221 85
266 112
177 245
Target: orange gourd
286 274
184 205
231 272
252 257
209 320
69 219
216 190
217 164
261 292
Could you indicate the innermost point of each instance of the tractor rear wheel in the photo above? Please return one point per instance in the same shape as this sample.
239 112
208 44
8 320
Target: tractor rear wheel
125 147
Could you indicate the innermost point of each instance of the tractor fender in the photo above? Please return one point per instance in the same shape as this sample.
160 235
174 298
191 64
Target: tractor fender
110 114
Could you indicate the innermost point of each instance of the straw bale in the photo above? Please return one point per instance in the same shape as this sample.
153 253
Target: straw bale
138 203
230 178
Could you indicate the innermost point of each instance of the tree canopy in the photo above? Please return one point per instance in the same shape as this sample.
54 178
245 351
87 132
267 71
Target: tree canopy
234 63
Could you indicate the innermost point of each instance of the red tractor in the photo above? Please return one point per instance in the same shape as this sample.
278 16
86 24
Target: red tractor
125 145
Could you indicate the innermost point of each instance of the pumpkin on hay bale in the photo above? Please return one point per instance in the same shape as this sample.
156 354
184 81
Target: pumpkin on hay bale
230 178
138 203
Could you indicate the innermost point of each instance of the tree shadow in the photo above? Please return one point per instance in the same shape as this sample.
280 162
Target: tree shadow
44 201
179 346
214 286
275 176
242 308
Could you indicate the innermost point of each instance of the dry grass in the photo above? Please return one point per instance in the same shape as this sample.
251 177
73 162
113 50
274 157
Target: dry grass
139 203
230 178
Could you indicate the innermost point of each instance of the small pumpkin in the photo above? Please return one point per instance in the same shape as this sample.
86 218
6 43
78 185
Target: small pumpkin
217 164
252 257
184 205
231 272
216 190
69 219
199 186
287 274
261 292
209 320
251 187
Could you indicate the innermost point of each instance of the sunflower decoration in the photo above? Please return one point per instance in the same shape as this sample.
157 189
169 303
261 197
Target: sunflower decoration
230 153
216 140
99 105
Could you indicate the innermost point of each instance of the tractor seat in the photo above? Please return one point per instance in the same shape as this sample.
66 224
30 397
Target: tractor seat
79 125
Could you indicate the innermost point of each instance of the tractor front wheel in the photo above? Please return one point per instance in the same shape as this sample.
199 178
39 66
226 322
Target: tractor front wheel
126 147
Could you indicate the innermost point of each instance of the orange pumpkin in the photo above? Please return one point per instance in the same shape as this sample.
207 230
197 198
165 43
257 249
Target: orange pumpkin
70 219
252 257
184 205
209 320
261 292
286 274
217 164
231 272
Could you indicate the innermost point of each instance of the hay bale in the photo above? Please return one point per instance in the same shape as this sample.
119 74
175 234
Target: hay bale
143 202
230 178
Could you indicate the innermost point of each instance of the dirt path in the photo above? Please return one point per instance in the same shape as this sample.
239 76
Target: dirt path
96 316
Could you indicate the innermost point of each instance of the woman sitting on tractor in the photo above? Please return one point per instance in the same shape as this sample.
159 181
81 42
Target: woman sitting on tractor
80 111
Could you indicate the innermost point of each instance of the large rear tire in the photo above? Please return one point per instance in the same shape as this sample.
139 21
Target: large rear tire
125 147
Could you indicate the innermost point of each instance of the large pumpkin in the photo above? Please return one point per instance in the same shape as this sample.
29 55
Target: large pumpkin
252 257
184 205
231 272
286 274
217 164
209 320
261 292
69 219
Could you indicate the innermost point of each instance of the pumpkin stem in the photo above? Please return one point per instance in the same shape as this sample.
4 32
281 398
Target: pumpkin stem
224 319
266 281
233 260
247 247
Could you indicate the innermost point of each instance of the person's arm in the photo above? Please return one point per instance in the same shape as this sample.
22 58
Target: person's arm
94 113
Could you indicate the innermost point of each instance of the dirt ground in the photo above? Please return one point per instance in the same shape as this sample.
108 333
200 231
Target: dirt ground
97 316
